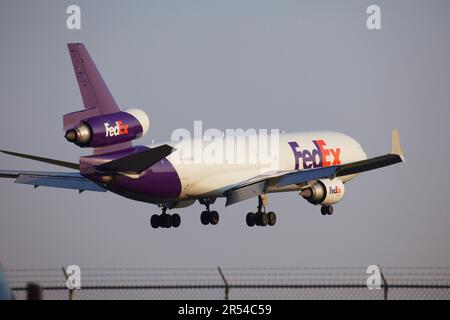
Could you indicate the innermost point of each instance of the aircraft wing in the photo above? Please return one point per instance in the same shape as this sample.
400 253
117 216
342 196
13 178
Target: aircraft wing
258 185
67 180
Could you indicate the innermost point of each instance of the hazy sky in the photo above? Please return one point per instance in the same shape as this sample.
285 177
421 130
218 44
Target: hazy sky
293 65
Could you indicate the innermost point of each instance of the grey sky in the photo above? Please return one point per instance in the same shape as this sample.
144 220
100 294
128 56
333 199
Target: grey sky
291 65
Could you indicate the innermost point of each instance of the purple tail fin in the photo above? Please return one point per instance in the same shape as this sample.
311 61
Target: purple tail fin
96 97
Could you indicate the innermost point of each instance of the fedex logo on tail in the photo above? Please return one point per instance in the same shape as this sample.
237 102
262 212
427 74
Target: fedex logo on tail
119 129
316 158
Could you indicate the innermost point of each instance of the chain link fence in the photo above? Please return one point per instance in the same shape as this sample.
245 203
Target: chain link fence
236 283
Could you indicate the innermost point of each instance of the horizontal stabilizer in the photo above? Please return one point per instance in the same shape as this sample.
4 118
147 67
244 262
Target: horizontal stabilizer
137 162
60 163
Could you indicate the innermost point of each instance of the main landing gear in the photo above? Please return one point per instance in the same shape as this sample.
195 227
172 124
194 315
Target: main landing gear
165 220
261 218
207 216
327 210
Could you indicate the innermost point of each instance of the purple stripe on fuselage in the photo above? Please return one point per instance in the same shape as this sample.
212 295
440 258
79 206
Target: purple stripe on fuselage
160 182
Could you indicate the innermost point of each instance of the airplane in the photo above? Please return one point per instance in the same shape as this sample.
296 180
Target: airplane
317 165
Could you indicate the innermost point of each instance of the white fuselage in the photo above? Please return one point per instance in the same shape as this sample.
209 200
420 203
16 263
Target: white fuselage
207 167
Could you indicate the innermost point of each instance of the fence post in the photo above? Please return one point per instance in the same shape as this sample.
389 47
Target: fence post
227 287
34 291
385 284
71 291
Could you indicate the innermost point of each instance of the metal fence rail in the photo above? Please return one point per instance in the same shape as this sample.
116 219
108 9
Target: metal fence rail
237 283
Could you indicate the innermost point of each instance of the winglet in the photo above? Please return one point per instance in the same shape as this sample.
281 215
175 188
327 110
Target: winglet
396 145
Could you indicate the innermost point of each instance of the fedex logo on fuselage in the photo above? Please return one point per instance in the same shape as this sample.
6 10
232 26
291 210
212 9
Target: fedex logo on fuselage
117 130
316 158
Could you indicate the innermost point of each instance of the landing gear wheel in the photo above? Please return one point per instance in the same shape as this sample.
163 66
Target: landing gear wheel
176 220
154 221
264 219
330 210
166 220
257 218
214 217
272 218
250 219
327 210
204 217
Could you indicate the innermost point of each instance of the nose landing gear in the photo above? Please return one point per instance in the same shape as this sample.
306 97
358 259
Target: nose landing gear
327 210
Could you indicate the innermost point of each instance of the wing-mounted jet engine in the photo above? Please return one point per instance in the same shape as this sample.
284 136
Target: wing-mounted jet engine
325 192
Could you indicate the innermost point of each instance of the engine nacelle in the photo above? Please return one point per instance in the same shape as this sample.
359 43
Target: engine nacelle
110 129
325 191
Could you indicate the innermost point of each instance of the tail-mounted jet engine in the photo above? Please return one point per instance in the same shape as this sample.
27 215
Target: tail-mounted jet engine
325 192
109 129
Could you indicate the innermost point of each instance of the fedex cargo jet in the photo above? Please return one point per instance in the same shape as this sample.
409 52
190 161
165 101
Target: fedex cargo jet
317 165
